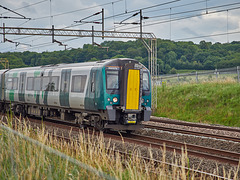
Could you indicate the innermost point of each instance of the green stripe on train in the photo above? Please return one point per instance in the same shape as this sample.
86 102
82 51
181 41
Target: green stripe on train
11 95
37 73
15 74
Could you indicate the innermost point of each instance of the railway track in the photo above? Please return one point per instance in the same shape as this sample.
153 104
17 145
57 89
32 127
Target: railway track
195 150
199 151
196 173
160 120
182 131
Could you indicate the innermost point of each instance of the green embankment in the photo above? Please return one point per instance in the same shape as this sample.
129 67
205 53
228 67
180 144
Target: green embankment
213 103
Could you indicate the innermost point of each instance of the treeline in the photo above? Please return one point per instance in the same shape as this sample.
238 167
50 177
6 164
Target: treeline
171 55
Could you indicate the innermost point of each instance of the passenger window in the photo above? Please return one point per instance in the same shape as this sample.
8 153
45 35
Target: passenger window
45 82
15 83
78 83
9 83
12 83
53 84
30 83
37 84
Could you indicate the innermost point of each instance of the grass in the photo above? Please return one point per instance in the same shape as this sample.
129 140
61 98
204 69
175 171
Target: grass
21 159
207 102
183 71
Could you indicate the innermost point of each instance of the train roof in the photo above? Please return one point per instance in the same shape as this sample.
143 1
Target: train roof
101 63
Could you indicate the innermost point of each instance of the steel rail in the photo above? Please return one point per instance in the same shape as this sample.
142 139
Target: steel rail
183 131
195 150
160 120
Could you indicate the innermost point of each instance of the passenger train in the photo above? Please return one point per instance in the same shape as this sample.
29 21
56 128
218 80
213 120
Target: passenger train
108 94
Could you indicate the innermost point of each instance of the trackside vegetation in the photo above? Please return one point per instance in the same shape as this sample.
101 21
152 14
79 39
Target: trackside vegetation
22 159
171 55
208 102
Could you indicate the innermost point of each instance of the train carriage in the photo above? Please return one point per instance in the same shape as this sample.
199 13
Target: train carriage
108 94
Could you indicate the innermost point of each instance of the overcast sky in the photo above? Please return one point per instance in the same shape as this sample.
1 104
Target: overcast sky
183 20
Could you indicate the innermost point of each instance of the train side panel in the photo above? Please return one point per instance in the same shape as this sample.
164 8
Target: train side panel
11 85
2 84
52 92
78 87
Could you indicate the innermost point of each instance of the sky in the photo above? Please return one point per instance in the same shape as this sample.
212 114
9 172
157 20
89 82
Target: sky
177 20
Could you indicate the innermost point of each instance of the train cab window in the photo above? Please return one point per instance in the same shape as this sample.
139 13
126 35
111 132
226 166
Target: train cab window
37 84
112 79
12 83
78 83
145 81
45 83
30 83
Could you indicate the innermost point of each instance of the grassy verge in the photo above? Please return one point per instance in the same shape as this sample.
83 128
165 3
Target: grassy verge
209 102
22 159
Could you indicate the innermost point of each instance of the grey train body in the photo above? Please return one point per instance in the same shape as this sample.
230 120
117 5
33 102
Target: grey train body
108 94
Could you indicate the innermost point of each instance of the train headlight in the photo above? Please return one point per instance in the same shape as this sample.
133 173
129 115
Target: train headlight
108 99
115 99
147 100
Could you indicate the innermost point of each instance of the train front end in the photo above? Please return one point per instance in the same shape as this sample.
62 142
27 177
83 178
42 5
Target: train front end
128 94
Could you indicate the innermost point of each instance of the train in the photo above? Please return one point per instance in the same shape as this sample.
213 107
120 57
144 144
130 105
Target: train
108 94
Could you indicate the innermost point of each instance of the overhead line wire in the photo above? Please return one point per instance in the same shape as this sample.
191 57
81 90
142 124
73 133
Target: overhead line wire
136 10
184 12
182 18
204 36
125 13
69 12
27 6
12 11
187 4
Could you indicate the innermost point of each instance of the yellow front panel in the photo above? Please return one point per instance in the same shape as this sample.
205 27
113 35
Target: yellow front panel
133 85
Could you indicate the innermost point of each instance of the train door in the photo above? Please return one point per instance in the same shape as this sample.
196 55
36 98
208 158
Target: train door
131 87
91 99
1 86
94 88
65 87
22 81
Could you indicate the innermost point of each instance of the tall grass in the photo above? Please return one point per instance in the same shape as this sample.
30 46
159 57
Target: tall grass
208 102
21 159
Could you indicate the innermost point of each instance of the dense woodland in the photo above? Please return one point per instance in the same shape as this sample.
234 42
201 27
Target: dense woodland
171 55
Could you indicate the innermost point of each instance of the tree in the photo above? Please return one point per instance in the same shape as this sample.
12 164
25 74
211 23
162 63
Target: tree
178 55
205 45
93 59
173 71
171 58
